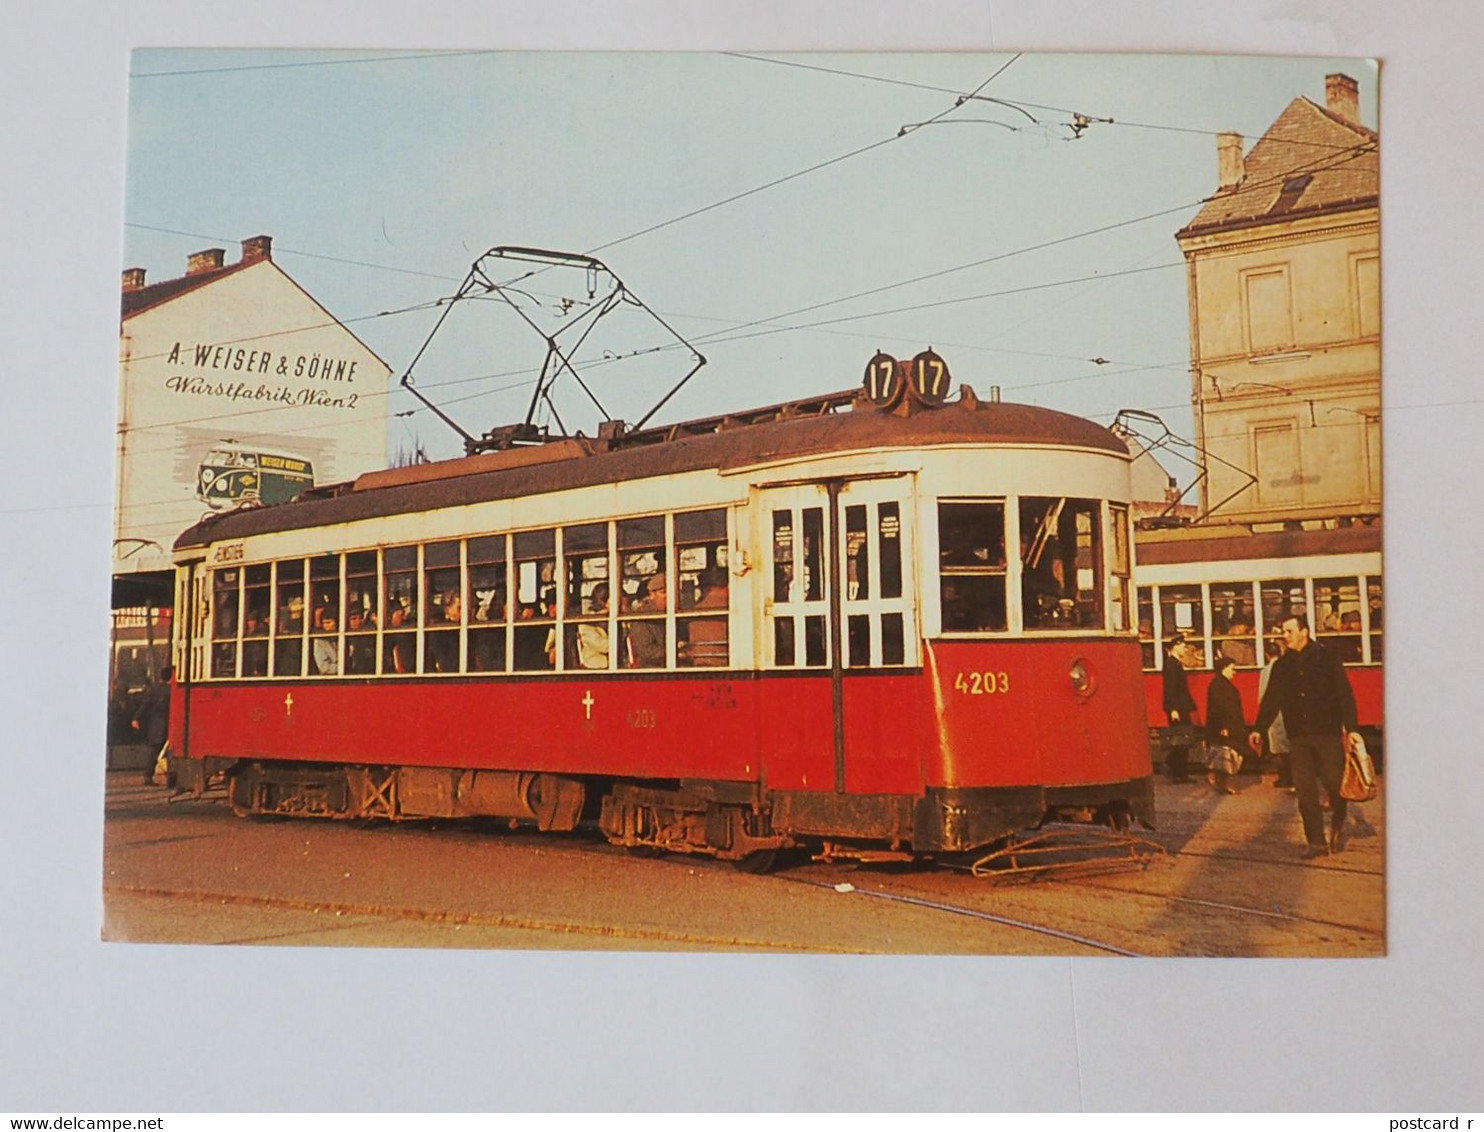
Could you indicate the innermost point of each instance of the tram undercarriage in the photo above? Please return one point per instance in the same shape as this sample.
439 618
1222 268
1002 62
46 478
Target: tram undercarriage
734 821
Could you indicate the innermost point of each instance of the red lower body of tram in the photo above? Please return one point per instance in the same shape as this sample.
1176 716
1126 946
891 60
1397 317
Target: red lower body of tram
985 739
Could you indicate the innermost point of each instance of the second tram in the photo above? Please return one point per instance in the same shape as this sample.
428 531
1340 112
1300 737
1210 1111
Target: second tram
1226 590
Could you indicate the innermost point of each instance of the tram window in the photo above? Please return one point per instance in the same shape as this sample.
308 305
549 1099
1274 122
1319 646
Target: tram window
1180 611
893 639
783 560
288 627
1338 621
643 592
889 546
857 558
443 607
1373 617
702 642
813 558
973 603
858 641
783 642
1061 555
1120 565
224 605
256 603
585 553
360 613
258 598
971 564
1233 624
399 611
487 604
1147 648
701 570
1281 599
536 598
324 615
816 654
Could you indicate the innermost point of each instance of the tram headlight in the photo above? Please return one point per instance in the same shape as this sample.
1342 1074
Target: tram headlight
1084 682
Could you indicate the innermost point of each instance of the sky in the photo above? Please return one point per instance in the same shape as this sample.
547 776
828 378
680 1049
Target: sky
787 215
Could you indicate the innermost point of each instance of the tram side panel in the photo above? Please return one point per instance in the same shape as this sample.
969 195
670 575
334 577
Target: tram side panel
662 728
1009 715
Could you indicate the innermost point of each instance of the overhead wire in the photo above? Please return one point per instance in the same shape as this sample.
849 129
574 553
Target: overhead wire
387 57
721 337
1012 102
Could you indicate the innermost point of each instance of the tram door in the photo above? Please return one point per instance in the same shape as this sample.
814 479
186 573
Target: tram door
837 604
880 642
796 601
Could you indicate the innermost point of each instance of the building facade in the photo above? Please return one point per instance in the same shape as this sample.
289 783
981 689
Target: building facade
1283 264
236 388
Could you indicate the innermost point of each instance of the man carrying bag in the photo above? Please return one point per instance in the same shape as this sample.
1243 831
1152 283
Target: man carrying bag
1309 687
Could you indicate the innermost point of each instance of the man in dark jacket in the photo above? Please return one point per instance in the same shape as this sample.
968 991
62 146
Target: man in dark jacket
1179 707
1309 687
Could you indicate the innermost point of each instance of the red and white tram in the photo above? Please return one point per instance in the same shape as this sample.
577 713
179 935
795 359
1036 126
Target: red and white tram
860 630
1228 589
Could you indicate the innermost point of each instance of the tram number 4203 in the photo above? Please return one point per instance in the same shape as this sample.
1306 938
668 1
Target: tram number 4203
982 683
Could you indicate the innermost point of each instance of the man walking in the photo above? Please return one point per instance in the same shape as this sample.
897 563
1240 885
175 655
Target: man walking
1179 707
1311 691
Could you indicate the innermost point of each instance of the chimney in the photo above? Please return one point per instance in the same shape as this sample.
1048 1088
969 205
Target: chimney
133 278
198 263
255 248
1342 97
1230 168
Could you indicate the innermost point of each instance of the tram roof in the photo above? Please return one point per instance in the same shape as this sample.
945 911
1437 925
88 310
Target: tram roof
578 462
1228 544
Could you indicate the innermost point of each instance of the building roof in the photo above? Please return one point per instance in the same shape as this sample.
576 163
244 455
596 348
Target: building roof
1311 160
153 294
478 479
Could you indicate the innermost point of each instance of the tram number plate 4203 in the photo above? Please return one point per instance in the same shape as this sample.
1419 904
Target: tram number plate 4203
982 683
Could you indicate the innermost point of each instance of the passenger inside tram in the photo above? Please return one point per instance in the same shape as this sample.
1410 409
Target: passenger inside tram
644 640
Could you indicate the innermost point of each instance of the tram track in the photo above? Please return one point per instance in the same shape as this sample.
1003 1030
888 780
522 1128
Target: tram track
977 914
338 909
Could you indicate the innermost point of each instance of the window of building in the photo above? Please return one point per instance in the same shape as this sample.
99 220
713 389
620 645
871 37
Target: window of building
701 625
1268 308
1061 560
1367 285
1275 463
971 566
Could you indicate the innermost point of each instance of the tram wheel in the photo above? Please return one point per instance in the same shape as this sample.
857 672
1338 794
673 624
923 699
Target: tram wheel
648 852
763 861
